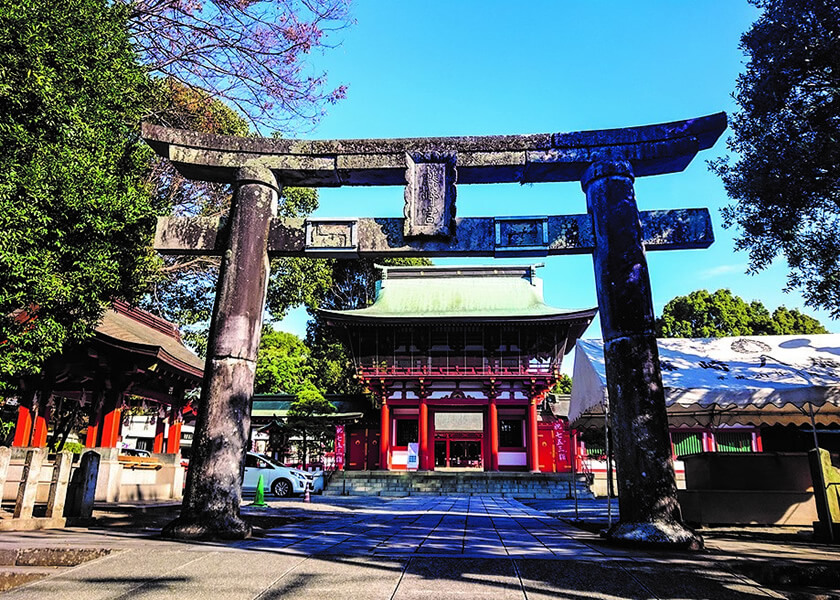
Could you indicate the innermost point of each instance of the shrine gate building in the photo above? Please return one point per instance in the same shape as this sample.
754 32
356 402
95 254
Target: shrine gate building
459 359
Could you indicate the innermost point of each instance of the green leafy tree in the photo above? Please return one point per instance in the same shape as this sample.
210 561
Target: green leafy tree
792 322
786 136
701 314
306 418
563 385
75 212
283 364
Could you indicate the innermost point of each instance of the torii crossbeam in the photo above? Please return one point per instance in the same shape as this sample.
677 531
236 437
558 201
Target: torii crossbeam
604 162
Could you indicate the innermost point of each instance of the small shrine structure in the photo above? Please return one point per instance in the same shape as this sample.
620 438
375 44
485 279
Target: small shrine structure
133 356
459 359
132 353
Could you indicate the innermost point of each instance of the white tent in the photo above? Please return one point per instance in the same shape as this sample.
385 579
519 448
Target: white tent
754 380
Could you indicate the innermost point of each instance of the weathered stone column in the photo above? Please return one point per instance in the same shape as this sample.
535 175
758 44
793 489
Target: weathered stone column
213 493
647 491
28 488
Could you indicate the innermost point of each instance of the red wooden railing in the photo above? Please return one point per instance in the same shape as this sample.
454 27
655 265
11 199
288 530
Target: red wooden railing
457 370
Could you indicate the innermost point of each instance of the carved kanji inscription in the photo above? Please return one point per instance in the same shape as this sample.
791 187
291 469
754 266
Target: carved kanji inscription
429 195
331 236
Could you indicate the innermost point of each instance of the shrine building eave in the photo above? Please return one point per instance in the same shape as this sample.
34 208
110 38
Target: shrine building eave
139 332
501 294
545 157
359 317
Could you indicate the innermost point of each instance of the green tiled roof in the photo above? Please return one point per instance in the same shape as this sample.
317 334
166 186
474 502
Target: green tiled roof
483 293
278 405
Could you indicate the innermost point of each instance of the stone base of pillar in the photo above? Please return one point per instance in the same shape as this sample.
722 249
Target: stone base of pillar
659 534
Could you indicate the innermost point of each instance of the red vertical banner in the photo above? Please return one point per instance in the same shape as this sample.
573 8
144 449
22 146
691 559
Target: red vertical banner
561 446
339 447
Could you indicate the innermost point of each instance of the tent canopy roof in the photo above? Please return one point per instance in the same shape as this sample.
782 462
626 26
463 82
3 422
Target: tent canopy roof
750 379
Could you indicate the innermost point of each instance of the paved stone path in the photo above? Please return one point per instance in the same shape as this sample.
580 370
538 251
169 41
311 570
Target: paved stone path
413 548
473 527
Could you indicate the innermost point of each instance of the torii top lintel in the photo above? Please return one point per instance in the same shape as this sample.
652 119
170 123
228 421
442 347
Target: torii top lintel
651 150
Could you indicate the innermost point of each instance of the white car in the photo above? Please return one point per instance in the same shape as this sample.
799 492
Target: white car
280 481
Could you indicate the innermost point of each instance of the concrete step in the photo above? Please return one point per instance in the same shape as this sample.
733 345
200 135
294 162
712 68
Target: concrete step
447 483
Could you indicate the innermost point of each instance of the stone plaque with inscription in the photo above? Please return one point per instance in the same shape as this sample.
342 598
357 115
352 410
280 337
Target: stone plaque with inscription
429 195
521 234
333 236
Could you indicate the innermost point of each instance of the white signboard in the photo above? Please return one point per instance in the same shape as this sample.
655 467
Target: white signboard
459 421
413 457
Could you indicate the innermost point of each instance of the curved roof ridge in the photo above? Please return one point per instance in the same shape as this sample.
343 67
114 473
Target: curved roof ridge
480 292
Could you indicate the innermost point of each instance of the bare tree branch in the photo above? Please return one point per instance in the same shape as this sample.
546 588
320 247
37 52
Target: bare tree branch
253 54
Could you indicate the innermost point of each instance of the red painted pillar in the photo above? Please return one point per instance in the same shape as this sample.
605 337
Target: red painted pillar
42 421
90 436
95 417
23 428
92 432
173 440
533 442
160 430
39 434
494 435
111 425
385 438
423 428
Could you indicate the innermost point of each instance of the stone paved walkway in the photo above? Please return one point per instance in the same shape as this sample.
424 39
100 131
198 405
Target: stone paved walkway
413 548
473 527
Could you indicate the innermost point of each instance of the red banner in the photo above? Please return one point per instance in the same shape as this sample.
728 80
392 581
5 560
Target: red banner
561 446
339 447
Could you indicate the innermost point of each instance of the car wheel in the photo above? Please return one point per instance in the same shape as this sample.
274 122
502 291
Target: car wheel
282 488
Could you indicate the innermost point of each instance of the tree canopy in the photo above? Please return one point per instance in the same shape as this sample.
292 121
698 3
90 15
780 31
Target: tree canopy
722 314
250 53
563 385
306 418
284 365
75 212
79 190
786 135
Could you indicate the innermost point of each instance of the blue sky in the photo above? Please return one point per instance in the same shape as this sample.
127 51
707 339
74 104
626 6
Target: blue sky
435 68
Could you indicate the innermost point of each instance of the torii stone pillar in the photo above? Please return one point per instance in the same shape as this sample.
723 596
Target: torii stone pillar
647 491
214 492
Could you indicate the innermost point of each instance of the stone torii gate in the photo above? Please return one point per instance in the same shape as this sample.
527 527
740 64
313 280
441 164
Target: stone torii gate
613 230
